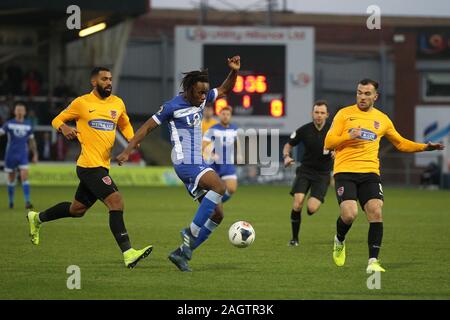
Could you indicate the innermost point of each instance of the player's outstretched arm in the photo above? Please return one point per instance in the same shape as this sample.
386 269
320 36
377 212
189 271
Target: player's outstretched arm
406 145
235 64
433 146
145 129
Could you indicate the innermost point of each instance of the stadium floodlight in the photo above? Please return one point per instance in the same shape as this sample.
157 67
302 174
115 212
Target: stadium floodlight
95 28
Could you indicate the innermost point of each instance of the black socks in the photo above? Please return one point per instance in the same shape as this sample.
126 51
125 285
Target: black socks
117 227
374 239
342 229
296 219
61 210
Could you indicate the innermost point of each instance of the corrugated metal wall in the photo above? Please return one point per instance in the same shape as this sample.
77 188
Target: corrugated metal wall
146 79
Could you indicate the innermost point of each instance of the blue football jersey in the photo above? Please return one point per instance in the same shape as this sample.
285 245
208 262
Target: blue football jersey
18 134
224 139
185 127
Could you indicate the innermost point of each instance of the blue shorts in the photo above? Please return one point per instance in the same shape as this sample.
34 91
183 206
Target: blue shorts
14 161
225 171
190 174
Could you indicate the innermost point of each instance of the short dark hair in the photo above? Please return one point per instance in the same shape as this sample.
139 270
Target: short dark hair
97 70
229 108
192 77
367 81
320 103
20 103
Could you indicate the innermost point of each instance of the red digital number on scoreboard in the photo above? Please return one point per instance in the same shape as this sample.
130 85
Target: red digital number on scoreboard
250 84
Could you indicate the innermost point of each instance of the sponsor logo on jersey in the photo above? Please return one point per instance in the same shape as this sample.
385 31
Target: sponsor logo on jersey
19 130
367 135
107 180
101 124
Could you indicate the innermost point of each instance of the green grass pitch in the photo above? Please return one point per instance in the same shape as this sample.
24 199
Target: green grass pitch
416 249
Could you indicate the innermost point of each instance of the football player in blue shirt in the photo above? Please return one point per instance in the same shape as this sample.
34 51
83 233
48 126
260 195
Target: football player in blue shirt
20 133
218 145
184 116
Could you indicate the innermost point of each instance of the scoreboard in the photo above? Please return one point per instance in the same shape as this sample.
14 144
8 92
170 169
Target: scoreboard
274 88
260 87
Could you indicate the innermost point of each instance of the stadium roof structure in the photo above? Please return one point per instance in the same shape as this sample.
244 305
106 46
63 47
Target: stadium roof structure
148 24
45 14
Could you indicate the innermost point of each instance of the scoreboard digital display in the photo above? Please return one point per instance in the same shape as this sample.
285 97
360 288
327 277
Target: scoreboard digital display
275 85
260 85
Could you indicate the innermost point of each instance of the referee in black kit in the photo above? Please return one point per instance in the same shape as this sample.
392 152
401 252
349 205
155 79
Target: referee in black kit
314 172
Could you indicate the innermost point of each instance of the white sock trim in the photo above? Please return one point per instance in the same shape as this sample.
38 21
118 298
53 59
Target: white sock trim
195 229
213 196
337 241
210 225
371 260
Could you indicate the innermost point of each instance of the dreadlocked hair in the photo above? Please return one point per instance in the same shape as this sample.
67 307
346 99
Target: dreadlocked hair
191 78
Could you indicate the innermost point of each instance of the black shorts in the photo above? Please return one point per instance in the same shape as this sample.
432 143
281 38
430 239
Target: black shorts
358 186
307 179
95 184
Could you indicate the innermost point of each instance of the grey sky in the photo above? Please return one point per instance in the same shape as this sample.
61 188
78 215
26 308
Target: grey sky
431 8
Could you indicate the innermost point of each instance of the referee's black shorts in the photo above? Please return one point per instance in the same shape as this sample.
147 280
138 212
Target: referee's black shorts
307 178
358 186
95 184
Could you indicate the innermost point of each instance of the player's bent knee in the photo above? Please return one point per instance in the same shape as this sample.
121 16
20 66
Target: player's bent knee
297 206
312 209
348 215
114 202
313 205
78 210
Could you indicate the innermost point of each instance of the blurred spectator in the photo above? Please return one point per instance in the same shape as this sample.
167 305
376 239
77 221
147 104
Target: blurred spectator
5 112
60 148
63 90
431 177
32 84
45 146
33 118
135 157
14 77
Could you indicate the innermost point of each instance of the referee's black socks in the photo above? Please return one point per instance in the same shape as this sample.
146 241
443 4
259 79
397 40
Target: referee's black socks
296 219
342 229
117 226
61 210
374 239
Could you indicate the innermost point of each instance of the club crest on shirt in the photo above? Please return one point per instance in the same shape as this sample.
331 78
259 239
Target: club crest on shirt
376 125
113 113
340 191
107 180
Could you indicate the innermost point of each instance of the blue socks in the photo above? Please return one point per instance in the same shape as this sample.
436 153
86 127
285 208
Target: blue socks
204 233
26 190
226 196
11 188
204 211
